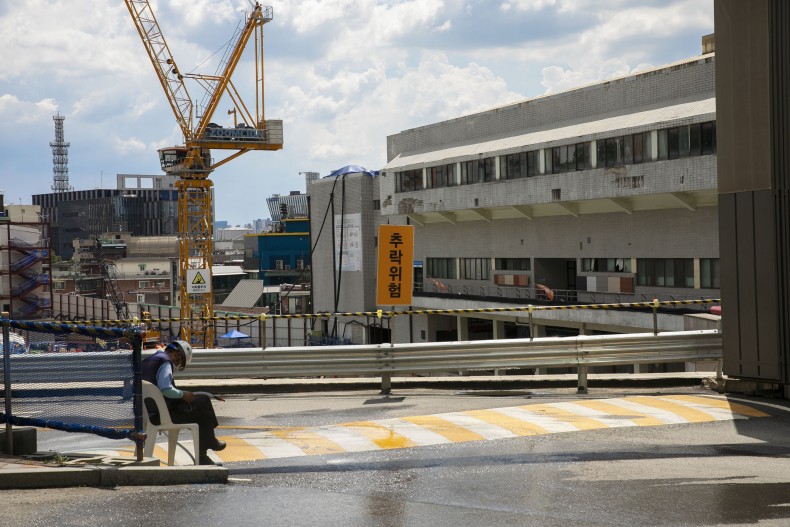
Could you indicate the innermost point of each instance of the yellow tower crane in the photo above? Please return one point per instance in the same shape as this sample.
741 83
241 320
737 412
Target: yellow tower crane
192 163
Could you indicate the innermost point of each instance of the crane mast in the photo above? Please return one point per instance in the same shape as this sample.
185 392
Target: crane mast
192 163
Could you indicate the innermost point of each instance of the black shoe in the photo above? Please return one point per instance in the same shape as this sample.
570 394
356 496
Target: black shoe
205 460
219 445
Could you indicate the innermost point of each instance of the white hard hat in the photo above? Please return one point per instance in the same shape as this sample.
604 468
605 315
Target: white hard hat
185 348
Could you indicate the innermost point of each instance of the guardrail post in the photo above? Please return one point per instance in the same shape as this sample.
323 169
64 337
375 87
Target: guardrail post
262 330
386 384
655 316
530 308
9 428
581 385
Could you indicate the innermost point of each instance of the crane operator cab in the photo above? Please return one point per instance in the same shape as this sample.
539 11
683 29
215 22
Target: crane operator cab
173 158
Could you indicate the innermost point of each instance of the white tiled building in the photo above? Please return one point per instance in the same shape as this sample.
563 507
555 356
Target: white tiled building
605 193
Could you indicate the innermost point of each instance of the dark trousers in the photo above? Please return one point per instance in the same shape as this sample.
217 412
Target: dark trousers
199 411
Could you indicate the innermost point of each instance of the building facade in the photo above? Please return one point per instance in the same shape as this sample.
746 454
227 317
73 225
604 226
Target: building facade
345 215
605 193
141 205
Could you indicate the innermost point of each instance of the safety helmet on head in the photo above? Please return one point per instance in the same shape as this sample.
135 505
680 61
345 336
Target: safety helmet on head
184 347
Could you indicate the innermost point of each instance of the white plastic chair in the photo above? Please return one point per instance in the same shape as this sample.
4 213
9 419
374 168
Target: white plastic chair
150 391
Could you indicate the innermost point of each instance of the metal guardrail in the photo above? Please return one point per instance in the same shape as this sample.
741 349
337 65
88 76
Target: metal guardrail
385 360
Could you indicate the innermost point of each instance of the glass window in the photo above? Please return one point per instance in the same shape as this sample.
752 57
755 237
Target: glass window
708 132
683 140
441 176
469 172
601 153
408 180
615 155
512 264
583 160
532 167
515 166
628 150
548 160
440 267
665 272
695 138
663 147
475 268
638 144
673 142
710 277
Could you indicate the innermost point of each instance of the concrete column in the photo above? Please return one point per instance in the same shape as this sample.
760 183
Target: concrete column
497 171
499 329
653 145
697 274
594 153
463 327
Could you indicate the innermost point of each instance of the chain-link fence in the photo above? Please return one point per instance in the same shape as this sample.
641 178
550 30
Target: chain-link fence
73 378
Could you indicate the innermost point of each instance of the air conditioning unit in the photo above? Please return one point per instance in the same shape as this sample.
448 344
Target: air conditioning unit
287 267
278 265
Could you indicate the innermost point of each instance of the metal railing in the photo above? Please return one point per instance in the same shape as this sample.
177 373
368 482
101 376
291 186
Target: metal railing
386 360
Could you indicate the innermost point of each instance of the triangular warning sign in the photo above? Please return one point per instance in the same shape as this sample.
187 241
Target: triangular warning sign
198 279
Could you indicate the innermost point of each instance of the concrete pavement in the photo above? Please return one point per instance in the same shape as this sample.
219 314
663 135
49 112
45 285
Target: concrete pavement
83 469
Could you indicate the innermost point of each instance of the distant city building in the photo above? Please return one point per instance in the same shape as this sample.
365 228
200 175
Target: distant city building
345 271
294 205
140 205
261 225
25 262
232 233
281 257
220 224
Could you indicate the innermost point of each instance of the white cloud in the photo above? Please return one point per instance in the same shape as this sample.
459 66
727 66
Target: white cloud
16 111
526 5
131 145
343 74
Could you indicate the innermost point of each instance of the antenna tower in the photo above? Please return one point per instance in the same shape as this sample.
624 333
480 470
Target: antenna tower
60 157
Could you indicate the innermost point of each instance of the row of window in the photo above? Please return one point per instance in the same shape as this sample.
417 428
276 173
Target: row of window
473 268
659 272
673 143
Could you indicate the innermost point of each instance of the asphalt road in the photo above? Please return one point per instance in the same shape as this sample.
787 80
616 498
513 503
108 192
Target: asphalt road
718 472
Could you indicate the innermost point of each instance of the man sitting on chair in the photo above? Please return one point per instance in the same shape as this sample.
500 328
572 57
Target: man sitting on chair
184 406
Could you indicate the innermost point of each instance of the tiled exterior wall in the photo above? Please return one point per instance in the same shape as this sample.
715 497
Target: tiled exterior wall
683 81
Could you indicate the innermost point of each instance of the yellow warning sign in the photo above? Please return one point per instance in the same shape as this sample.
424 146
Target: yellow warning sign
198 281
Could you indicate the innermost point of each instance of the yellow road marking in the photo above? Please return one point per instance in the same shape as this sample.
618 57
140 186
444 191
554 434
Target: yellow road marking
380 435
610 409
580 422
238 450
689 414
517 426
721 403
455 433
309 442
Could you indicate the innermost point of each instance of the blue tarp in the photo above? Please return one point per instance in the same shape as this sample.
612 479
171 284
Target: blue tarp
353 169
234 335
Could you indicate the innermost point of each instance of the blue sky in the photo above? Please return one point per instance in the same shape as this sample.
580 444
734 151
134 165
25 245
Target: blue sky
342 74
